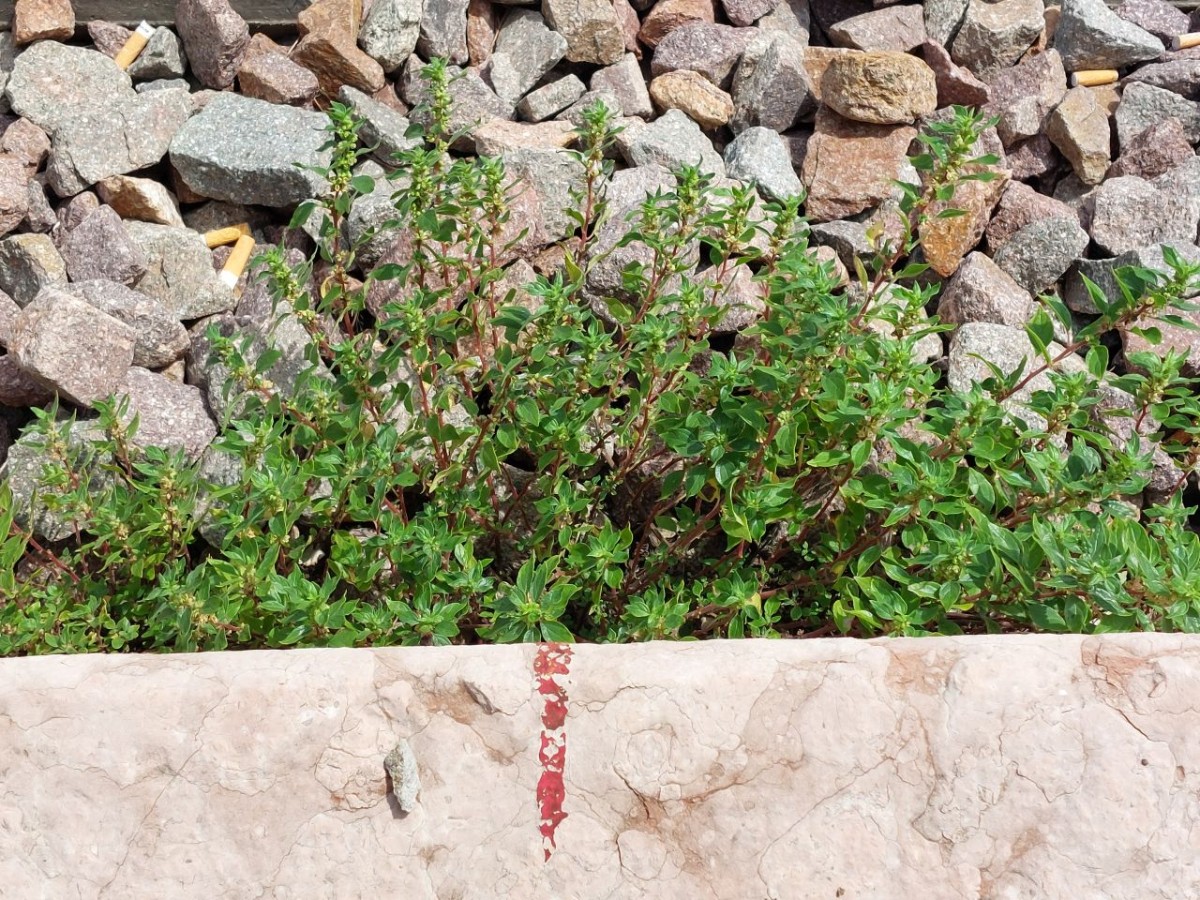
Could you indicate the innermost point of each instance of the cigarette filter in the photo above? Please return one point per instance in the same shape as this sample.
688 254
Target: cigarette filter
236 264
134 46
226 235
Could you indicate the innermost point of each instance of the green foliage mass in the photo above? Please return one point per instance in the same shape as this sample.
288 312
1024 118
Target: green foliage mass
481 461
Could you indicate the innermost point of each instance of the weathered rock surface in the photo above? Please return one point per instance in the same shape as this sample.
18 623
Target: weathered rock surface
244 151
846 749
215 37
994 35
1091 36
850 166
879 88
71 346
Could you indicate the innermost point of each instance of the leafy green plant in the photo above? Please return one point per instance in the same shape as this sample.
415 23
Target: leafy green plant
471 458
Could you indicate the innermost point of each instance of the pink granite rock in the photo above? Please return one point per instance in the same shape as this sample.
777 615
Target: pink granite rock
215 38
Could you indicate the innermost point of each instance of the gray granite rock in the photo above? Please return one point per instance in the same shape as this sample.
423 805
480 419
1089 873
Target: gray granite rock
99 247
711 50
943 18
266 72
28 263
981 291
556 176
390 30
771 86
623 79
789 17
170 415
115 139
1143 105
1158 17
162 57
215 38
443 30
552 98
592 29
525 50
245 151
1025 95
1038 255
180 273
575 112
1079 128
900 28
1130 213
1004 346
159 337
71 346
760 155
383 127
1091 36
1179 75
994 35
670 141
1157 150
51 83
40 216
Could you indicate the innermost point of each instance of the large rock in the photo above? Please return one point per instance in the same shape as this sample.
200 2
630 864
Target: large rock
23 471
1179 75
899 28
695 96
667 15
711 50
382 127
472 101
1091 36
550 99
267 73
879 88
1143 105
1079 128
946 240
980 291
443 31
956 85
215 37
1025 95
556 176
245 151
390 30
1038 255
1158 17
1158 149
159 337
851 750
28 263
761 156
41 20
113 139
71 346
1103 273
851 166
670 141
170 415
180 273
994 35
623 79
143 199
51 82
526 49
592 29
771 86
1131 212
1021 205
99 247
162 57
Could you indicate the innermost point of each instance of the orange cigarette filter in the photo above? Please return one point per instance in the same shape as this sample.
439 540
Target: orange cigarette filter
219 236
134 46
236 264
1186 41
1094 77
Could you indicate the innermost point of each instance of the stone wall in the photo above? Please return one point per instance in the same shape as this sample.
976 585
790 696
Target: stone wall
1009 767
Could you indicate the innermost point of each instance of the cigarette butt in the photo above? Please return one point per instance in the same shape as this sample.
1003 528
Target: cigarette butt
227 235
1094 77
236 264
134 46
1186 41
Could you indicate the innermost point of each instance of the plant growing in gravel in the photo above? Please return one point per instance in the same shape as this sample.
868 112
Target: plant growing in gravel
473 456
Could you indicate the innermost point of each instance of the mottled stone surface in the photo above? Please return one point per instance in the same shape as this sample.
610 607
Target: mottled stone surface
879 88
850 166
975 767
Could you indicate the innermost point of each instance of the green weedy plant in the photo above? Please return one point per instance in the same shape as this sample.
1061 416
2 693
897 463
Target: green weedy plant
469 458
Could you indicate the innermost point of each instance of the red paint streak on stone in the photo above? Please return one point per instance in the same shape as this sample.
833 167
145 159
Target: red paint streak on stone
551 660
